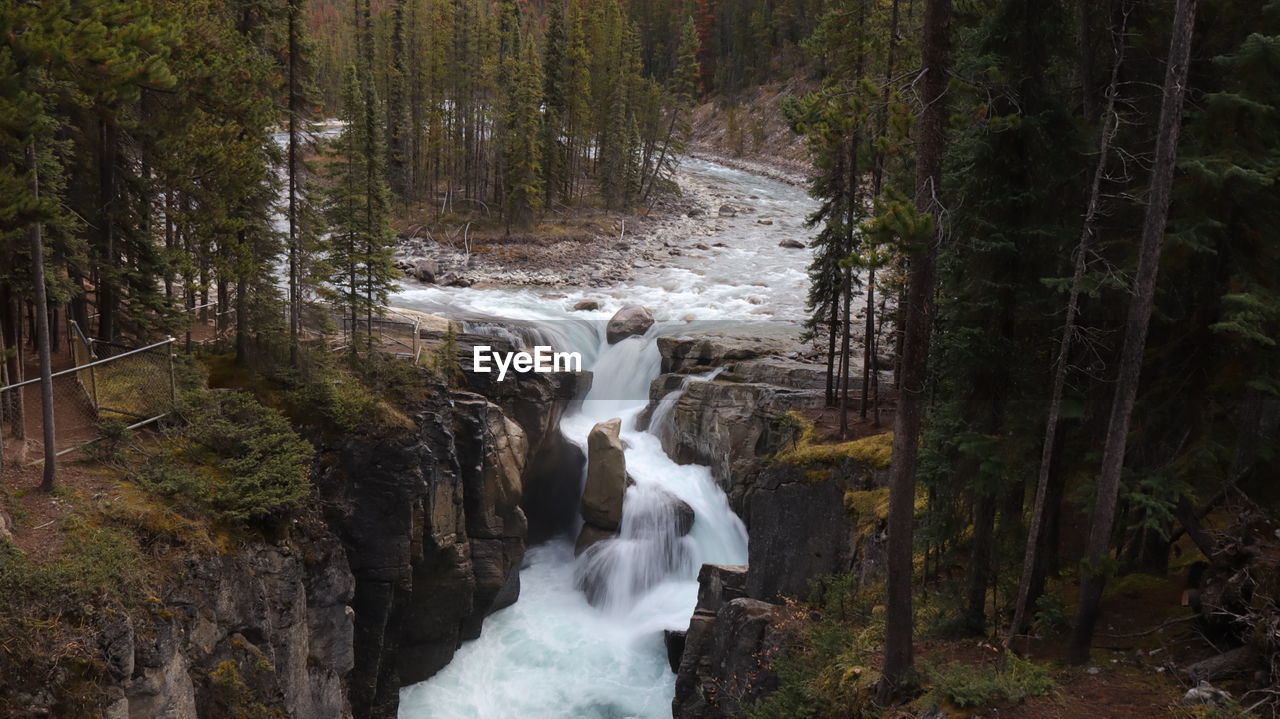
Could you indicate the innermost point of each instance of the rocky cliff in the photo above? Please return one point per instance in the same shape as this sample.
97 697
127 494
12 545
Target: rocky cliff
434 521
809 515
416 534
268 625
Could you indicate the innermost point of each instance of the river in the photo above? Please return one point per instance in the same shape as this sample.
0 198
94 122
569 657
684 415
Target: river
552 655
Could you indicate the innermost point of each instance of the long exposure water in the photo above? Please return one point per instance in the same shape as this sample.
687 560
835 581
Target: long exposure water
552 654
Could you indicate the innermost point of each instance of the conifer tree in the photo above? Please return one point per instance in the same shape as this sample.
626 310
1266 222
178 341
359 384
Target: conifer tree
360 251
522 175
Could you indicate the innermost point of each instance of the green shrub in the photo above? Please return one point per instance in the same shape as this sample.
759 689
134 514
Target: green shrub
113 436
970 686
1051 615
232 458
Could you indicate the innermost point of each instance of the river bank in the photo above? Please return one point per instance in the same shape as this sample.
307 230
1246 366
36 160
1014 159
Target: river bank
599 249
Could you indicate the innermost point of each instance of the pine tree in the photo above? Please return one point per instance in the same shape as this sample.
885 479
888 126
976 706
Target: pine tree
522 174
360 252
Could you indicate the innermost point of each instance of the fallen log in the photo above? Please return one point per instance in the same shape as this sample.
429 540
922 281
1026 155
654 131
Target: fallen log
1238 662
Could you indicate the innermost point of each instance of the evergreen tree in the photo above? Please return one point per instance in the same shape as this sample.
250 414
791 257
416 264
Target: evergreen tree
360 252
522 173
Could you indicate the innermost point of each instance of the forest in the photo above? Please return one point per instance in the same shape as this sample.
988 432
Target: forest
1042 265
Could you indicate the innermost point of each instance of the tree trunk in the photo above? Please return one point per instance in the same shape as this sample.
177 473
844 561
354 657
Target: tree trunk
846 356
868 343
1030 559
978 576
1093 576
41 303
915 353
295 299
106 290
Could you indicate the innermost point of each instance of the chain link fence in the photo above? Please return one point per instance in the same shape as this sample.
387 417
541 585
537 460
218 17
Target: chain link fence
392 332
132 385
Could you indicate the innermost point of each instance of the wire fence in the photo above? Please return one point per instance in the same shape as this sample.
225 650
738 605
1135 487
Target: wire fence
108 382
391 332
131 385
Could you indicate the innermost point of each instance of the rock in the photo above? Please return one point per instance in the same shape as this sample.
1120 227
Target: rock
492 453
6 527
728 211
697 212
454 279
800 530
791 244
674 642
115 636
681 353
680 513
726 665
719 584
787 373
764 222
628 321
590 535
731 427
606 476
586 306
426 270
1205 693
702 246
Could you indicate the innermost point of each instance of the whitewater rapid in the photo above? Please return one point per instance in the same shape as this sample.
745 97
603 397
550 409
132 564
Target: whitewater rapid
553 655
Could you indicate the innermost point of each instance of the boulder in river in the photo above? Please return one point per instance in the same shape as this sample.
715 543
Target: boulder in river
606 476
589 535
426 270
791 244
628 321
764 222
728 211
586 306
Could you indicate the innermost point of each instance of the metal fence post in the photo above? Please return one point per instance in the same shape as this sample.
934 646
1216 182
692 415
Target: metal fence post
173 380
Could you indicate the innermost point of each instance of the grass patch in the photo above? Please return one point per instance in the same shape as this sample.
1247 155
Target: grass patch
875 451
969 686
867 508
49 615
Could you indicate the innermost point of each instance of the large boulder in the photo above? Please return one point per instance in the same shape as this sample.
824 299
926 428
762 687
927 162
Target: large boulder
606 476
628 321
426 271
589 536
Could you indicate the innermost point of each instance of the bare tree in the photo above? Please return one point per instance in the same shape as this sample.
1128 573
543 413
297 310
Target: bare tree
1110 123
921 260
1093 577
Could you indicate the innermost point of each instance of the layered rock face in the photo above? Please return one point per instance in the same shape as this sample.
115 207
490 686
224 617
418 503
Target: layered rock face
801 528
435 533
740 418
536 402
732 640
804 522
271 624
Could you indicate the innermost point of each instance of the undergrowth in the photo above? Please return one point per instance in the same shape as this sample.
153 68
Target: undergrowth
875 451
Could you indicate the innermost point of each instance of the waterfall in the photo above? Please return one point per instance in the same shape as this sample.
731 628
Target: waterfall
556 654
553 654
662 421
